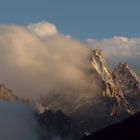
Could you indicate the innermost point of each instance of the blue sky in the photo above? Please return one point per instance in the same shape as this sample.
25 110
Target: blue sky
80 18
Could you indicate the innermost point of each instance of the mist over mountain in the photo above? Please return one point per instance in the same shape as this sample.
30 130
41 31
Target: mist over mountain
117 99
65 87
17 122
41 64
42 59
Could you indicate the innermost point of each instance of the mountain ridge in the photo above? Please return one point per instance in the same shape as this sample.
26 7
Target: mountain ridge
112 104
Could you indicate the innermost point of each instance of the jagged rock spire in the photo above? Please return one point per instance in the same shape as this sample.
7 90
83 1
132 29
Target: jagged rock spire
111 88
128 82
126 78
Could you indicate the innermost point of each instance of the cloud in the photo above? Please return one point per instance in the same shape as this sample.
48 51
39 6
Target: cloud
17 122
43 29
118 49
33 66
36 62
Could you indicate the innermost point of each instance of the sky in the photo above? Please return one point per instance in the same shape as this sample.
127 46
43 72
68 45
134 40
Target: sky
81 19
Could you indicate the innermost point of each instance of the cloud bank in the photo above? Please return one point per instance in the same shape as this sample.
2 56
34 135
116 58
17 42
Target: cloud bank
43 29
118 49
37 59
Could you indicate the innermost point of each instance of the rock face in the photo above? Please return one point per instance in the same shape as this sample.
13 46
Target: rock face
128 82
100 66
57 125
6 94
111 87
126 79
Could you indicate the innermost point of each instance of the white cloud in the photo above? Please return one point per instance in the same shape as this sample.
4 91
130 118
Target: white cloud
118 49
43 29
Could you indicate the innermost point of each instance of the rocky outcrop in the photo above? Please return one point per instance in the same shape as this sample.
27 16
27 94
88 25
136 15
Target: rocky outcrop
57 124
6 94
126 79
110 87
129 83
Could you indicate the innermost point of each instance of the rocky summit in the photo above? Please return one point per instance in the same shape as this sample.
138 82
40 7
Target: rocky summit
111 88
129 84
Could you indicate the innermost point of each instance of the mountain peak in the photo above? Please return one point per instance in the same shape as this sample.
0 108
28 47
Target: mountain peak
99 63
110 87
123 68
129 83
98 52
